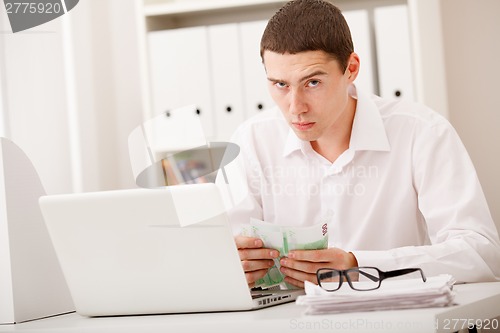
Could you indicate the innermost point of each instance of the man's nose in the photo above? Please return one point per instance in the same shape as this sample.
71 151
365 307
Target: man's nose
297 103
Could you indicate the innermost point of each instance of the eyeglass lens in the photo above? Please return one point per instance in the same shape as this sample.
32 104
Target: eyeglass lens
362 278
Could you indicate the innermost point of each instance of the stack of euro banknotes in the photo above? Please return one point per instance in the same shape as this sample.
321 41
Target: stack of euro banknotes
285 239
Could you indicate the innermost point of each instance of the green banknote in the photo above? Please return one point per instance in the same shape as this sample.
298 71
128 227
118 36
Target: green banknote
285 239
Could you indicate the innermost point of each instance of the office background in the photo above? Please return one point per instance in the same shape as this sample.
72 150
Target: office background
73 89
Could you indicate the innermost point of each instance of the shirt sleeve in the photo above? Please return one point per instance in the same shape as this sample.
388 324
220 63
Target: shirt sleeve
464 238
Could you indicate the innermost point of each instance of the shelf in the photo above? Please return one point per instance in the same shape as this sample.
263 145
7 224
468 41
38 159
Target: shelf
173 8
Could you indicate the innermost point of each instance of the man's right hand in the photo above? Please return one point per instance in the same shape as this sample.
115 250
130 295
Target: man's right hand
255 259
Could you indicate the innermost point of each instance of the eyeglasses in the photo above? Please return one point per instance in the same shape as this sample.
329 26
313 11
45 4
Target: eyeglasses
359 278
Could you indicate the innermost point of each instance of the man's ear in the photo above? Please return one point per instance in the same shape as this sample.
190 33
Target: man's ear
353 67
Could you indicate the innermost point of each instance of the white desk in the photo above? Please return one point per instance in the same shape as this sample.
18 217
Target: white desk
478 301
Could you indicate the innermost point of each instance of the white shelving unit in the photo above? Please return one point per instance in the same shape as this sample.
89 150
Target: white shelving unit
424 29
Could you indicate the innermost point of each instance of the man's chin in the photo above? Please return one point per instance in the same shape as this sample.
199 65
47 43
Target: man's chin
305 136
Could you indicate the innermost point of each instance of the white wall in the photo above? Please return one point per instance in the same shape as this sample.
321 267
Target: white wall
34 99
108 89
71 95
472 53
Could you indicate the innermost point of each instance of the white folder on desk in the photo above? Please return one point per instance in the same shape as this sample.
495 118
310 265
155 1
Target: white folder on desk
32 285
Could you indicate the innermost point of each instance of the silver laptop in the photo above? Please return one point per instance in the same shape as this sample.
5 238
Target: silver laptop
150 251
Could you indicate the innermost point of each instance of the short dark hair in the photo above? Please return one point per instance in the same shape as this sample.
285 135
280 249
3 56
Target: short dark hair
308 25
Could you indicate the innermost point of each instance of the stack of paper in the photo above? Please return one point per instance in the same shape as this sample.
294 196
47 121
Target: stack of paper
392 294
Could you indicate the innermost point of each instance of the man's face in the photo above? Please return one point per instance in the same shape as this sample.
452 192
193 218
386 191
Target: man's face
310 89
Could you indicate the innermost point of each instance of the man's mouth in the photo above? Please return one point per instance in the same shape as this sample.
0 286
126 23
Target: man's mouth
303 126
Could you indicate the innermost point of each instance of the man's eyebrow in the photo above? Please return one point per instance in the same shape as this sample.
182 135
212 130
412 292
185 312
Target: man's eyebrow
308 76
274 80
315 73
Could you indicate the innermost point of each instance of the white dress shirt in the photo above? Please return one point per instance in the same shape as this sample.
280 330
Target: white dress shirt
404 194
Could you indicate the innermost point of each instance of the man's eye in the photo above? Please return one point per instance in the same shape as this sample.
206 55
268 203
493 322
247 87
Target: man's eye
313 83
280 84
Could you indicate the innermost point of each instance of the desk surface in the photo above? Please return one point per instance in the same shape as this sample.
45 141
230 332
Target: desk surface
479 302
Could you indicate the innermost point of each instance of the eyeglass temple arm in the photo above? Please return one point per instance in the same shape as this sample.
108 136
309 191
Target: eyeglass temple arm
370 276
399 272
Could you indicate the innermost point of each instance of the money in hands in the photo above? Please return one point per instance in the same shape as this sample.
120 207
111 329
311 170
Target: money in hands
285 239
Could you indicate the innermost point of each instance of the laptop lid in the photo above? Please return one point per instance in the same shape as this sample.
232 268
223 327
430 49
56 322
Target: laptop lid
126 252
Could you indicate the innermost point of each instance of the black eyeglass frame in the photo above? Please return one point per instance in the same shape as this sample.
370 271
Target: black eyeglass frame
320 274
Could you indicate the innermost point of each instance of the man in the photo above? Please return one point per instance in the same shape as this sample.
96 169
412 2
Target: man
391 177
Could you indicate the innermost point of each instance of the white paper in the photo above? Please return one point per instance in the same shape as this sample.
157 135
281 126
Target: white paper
392 294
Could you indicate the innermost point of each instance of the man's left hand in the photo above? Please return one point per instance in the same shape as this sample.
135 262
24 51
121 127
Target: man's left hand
301 265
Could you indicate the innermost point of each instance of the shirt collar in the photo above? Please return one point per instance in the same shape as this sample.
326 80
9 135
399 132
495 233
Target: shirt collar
293 143
368 131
